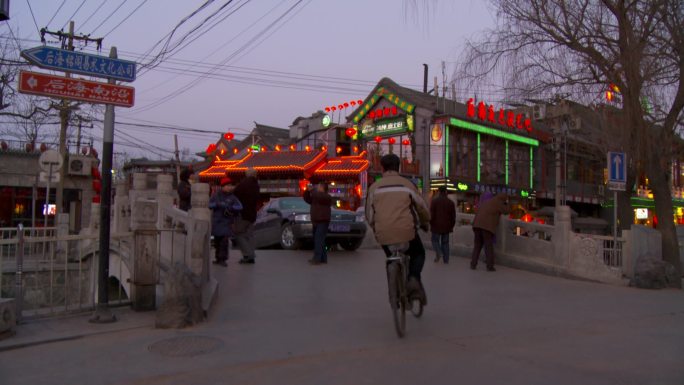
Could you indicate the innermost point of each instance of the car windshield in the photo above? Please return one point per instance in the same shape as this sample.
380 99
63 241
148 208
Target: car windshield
293 204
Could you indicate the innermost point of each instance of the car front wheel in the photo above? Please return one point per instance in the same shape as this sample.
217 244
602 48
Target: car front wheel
351 244
287 238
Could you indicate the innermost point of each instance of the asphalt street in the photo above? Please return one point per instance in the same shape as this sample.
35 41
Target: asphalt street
283 321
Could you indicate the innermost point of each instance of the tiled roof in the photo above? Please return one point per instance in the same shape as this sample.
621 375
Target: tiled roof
268 162
344 165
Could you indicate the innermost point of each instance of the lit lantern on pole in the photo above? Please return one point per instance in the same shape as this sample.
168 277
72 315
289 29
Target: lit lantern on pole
350 132
277 147
391 140
378 139
338 149
292 147
405 142
324 148
229 136
355 149
235 150
307 148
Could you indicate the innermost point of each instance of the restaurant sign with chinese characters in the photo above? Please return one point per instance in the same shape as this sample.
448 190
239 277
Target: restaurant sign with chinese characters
387 127
78 89
487 113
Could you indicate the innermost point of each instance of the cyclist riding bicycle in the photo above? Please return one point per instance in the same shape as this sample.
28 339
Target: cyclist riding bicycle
395 210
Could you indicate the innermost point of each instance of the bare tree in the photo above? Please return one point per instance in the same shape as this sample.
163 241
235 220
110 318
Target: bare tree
579 47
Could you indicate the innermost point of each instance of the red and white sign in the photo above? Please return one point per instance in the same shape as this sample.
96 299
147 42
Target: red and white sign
507 118
72 88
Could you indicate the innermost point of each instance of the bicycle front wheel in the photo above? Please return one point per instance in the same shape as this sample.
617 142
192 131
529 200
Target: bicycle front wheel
397 300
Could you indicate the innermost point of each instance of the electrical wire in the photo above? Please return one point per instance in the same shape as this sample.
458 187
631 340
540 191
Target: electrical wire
196 82
34 16
92 14
56 12
72 16
126 18
108 16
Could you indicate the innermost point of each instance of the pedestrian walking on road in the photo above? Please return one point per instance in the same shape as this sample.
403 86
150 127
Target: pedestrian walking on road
184 190
247 191
225 208
442 222
321 203
484 227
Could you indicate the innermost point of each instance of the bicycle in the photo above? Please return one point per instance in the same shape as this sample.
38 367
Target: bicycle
397 279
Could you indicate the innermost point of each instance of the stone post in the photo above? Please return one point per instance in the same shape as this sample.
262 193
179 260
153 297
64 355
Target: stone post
164 195
145 254
121 209
561 236
62 231
200 231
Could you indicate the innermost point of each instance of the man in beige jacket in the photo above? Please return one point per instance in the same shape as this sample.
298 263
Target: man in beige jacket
395 211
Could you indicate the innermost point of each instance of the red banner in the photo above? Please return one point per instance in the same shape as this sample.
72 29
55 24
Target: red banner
78 89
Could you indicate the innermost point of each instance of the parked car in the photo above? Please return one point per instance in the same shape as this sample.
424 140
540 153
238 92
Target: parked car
286 222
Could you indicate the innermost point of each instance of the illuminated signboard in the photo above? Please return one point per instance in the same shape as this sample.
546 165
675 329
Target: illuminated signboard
487 113
641 213
384 128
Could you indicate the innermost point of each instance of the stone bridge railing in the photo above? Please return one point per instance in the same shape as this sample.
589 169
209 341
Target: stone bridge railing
557 250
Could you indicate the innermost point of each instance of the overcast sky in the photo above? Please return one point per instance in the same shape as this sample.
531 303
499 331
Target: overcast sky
278 59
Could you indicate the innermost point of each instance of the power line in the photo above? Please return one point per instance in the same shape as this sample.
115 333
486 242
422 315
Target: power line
126 18
33 16
193 84
56 12
72 16
108 16
92 14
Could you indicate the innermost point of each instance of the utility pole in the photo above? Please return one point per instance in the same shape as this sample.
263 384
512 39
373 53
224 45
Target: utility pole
175 142
65 108
64 113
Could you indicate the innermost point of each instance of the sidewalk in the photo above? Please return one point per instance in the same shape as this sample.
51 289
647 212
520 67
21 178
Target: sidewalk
48 330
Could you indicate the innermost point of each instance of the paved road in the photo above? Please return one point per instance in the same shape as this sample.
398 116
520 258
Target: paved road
282 321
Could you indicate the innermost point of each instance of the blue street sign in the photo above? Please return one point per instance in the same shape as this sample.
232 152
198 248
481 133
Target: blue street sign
617 166
82 63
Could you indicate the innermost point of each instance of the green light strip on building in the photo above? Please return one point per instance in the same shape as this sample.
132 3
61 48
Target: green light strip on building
493 132
506 163
478 156
531 168
446 146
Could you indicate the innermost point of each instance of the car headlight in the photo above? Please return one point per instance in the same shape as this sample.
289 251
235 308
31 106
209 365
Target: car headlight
302 218
360 218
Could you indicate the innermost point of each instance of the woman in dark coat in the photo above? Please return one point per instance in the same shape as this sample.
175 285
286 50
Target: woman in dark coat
484 227
321 211
225 207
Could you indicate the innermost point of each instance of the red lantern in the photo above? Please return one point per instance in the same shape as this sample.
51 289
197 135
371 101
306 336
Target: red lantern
394 110
338 149
327 109
378 139
353 103
292 147
324 148
211 148
307 148
391 140
263 149
378 113
355 149
405 142
235 150
334 108
359 102
372 114
340 106
229 136
346 104
386 111
350 132
277 147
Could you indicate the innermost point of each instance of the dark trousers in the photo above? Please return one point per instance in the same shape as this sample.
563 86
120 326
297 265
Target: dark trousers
440 242
320 231
221 244
486 238
416 252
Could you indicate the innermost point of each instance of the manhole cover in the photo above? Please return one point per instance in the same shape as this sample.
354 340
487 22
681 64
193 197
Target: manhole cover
186 346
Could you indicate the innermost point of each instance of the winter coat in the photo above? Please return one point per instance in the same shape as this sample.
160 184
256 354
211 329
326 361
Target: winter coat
320 205
442 214
225 208
489 213
184 194
247 191
395 209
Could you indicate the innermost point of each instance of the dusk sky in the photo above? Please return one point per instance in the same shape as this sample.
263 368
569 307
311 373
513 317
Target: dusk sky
318 53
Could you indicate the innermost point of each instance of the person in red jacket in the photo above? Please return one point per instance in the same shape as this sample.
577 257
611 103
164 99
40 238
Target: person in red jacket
442 222
321 203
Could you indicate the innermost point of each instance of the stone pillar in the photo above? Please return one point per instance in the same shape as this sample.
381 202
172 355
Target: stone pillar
94 226
145 254
165 195
561 236
121 209
199 233
62 224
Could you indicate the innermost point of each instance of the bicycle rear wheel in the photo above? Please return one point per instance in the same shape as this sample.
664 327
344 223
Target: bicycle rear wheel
397 303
